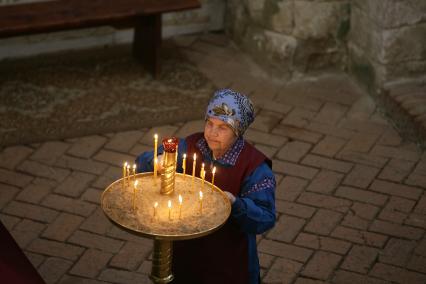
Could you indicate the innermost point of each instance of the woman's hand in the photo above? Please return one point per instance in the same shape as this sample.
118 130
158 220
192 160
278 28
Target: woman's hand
230 196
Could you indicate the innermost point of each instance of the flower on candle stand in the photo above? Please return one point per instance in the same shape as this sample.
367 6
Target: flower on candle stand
169 204
180 205
170 146
201 202
213 173
134 193
184 164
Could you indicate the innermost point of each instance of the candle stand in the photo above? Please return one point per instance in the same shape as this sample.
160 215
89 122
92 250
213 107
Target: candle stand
132 209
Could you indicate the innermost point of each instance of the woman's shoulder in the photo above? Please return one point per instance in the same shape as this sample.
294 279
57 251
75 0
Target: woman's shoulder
256 154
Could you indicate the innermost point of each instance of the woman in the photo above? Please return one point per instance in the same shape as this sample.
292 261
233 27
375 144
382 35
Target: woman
228 255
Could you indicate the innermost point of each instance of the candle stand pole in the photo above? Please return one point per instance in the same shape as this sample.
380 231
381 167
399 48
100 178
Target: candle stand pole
161 271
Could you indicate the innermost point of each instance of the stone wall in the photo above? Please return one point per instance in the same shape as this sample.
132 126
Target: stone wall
209 17
291 35
383 39
377 40
387 40
387 52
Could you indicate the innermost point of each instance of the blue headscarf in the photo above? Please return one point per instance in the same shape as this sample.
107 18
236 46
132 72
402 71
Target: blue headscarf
233 108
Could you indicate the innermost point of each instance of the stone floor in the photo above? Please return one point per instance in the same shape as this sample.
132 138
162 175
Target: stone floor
351 197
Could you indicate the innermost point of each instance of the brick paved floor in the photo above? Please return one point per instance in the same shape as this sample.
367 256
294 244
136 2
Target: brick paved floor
351 195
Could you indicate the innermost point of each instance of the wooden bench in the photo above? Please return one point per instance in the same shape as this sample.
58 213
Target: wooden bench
59 15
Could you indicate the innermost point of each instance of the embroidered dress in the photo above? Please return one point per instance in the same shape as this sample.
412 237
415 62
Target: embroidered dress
229 255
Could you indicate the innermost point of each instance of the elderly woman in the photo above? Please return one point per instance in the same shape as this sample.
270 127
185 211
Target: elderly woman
228 255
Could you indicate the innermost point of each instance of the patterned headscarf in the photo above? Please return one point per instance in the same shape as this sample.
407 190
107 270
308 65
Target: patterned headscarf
233 108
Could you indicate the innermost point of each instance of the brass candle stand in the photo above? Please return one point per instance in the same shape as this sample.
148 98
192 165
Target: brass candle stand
145 211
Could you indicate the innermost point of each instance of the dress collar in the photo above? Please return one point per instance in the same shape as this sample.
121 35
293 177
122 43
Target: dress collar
229 158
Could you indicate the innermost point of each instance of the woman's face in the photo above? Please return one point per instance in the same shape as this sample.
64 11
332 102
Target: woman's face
219 136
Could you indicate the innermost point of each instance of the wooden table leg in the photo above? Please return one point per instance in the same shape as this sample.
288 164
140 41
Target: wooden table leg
147 43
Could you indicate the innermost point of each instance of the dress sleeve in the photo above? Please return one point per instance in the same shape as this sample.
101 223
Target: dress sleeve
145 161
254 209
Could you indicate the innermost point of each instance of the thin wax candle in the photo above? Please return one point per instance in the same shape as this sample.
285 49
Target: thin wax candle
134 172
128 175
184 164
213 173
202 174
201 202
134 194
124 174
193 166
155 155
155 208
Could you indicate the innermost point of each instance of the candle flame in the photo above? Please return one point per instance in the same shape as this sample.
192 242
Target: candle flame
201 195
125 164
214 170
180 199
155 136
202 165
169 204
195 156
134 166
184 156
155 204
136 183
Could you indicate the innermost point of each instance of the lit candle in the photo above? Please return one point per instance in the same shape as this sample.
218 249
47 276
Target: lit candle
180 205
155 168
202 174
134 193
213 173
193 166
155 208
201 202
184 164
202 170
169 204
155 154
134 172
128 175
124 173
